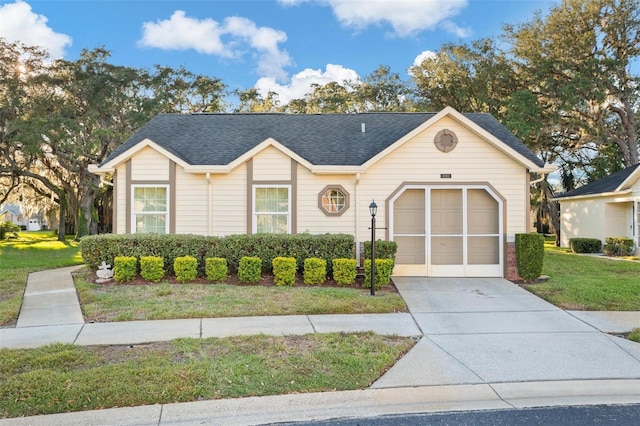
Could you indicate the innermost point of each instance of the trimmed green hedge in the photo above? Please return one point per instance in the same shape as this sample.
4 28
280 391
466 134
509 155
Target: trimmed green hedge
315 270
186 268
284 271
344 271
125 268
384 249
152 268
618 246
249 269
216 269
529 255
585 245
384 269
105 247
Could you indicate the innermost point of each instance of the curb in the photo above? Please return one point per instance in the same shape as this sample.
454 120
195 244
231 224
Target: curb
358 403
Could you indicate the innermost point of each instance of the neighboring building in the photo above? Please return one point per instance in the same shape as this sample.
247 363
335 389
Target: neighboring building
12 213
452 188
605 208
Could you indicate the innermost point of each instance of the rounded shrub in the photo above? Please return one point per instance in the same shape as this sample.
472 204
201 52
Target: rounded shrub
152 268
185 268
125 268
249 269
315 270
344 271
529 255
216 269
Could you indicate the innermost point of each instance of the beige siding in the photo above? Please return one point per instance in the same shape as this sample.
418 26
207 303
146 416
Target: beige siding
149 165
310 217
618 220
473 160
121 197
192 201
229 202
582 219
271 165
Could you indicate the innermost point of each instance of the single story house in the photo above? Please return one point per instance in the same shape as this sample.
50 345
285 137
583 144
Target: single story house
605 208
13 213
452 189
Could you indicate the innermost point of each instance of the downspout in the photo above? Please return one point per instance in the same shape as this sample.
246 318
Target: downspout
209 209
357 221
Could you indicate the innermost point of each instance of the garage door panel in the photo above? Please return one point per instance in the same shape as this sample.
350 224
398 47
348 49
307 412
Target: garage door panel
411 250
483 250
483 216
446 251
409 221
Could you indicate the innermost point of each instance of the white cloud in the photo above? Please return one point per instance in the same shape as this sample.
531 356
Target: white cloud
19 23
231 39
300 83
406 17
182 33
427 54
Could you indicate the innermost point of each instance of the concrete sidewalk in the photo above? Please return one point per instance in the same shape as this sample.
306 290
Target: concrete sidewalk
484 344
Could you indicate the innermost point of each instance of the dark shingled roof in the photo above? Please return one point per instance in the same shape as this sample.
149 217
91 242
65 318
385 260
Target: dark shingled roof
601 186
321 139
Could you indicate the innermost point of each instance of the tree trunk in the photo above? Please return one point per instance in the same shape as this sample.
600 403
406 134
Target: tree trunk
87 220
553 209
62 226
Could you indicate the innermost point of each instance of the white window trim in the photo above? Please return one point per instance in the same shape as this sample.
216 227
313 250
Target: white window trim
133 206
254 213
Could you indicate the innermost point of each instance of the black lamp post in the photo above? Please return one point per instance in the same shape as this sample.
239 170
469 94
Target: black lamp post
373 209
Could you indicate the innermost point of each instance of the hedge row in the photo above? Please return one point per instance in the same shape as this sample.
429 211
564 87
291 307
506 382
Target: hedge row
585 245
618 246
106 247
249 269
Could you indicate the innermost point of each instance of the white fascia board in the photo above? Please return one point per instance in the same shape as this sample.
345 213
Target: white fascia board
264 145
601 195
630 180
338 170
115 162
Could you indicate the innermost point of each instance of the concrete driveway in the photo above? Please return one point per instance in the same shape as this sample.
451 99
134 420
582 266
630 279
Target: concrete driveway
489 330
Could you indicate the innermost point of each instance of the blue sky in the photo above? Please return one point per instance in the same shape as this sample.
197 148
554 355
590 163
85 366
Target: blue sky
280 45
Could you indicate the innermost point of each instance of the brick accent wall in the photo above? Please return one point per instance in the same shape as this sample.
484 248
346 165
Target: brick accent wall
511 268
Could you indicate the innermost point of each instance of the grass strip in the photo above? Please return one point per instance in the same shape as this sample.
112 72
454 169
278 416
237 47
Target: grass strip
588 283
30 252
65 378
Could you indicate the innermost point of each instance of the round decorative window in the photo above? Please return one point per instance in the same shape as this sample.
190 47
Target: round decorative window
333 200
445 140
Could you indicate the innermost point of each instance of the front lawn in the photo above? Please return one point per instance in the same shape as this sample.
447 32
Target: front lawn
30 252
119 302
63 378
588 283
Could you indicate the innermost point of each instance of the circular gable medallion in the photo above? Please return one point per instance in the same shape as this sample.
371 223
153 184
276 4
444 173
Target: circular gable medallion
445 140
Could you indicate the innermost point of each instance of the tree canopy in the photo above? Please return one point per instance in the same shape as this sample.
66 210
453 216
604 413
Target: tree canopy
563 81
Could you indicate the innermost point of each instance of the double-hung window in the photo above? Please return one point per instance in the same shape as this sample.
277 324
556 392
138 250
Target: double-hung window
150 209
272 209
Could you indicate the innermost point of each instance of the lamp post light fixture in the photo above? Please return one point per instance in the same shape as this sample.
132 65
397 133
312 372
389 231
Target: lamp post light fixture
373 209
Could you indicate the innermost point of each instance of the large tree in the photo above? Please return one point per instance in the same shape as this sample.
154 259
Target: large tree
576 61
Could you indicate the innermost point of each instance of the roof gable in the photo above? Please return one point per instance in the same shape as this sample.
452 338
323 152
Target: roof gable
615 182
218 141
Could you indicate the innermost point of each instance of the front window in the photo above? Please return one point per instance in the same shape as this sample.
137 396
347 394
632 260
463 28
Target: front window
333 200
150 209
271 210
